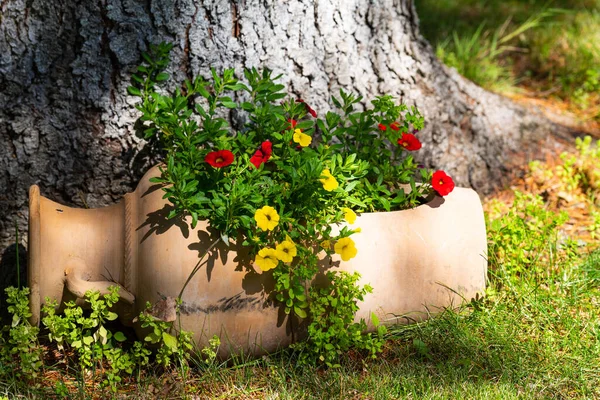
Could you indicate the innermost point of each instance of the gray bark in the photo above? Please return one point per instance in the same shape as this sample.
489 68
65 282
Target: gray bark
66 121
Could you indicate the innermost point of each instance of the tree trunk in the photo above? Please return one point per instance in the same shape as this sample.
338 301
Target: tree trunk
66 121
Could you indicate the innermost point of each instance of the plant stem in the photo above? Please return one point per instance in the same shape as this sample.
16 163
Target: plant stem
17 247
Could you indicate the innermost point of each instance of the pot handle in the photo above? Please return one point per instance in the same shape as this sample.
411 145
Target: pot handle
77 280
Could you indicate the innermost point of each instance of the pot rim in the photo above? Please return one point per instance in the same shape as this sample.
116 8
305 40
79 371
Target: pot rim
435 202
34 254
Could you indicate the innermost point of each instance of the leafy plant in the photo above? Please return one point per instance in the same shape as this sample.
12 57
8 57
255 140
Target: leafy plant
333 330
21 344
270 185
169 347
88 336
524 237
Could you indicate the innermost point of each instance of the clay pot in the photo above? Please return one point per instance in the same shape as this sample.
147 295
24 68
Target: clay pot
417 261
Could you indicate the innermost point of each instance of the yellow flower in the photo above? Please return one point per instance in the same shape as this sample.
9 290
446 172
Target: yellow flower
346 248
266 259
286 250
326 244
349 215
266 218
302 138
358 230
329 182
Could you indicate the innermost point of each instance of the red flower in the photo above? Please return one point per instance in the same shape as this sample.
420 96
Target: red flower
442 183
409 142
292 122
219 159
382 127
263 154
395 126
267 148
308 108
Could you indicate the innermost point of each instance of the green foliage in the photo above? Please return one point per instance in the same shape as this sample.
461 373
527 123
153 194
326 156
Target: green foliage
95 345
169 347
567 54
479 57
270 184
524 238
558 55
19 340
88 336
333 331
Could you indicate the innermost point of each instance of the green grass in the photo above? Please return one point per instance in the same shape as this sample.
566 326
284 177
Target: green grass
559 54
538 338
535 337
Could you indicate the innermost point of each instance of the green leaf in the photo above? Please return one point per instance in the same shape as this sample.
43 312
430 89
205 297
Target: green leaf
111 316
120 337
300 312
87 340
374 319
229 104
163 76
170 341
132 90
355 201
102 332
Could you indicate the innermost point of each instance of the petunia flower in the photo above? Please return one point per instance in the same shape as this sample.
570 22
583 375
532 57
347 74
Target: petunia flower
286 250
293 123
442 183
326 244
382 127
219 159
346 248
266 218
329 182
266 259
263 154
349 215
308 108
395 126
409 142
302 138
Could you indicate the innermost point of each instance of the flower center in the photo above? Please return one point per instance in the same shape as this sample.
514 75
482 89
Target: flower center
405 144
441 182
268 217
219 160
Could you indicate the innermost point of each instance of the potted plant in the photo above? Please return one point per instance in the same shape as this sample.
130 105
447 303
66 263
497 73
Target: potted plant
291 227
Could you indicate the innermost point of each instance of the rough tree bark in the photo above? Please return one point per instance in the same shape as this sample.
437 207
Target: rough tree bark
66 122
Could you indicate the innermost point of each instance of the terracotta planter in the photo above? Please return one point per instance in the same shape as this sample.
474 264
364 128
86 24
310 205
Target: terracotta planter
416 261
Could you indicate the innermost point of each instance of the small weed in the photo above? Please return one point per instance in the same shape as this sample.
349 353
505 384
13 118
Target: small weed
22 344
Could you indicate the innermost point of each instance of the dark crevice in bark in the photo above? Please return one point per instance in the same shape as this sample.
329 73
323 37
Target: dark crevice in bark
236 28
186 64
210 19
148 9
108 24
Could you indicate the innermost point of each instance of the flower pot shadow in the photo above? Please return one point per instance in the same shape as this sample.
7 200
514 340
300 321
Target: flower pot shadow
435 202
